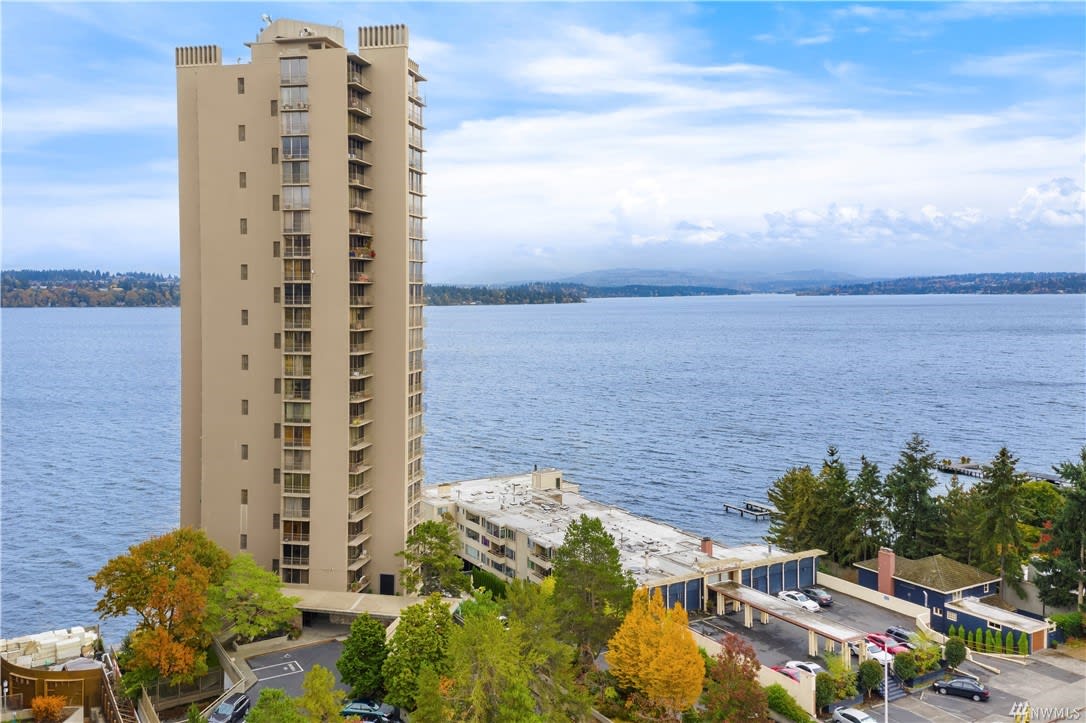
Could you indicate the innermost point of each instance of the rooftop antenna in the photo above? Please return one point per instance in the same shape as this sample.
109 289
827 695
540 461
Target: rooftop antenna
266 18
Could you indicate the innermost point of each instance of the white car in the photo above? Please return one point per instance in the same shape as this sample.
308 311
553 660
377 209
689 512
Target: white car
800 599
874 652
851 715
812 668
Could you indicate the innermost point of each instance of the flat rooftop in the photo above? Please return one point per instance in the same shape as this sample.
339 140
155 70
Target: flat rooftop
652 551
1006 618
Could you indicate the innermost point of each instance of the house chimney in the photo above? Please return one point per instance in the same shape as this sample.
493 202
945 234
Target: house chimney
887 561
707 546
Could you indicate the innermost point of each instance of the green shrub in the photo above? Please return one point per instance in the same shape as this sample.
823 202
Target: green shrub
870 676
999 647
990 642
825 690
1071 625
1023 644
781 701
905 665
488 581
954 650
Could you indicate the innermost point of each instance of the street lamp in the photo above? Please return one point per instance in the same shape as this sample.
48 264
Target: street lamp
885 691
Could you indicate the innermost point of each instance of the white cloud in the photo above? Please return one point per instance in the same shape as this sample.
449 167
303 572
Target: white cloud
1058 203
1055 67
820 39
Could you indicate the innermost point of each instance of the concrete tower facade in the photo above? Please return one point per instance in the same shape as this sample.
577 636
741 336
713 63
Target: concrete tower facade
301 303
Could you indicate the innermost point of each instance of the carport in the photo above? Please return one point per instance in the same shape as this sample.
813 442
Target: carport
748 600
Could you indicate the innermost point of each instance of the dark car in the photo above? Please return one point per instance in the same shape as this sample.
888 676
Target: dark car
790 672
231 710
370 711
898 633
964 687
819 595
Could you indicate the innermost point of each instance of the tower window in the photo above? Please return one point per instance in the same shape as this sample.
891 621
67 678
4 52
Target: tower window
245 317
241 86
245 451
242 179
243 226
241 132
245 362
244 272
244 406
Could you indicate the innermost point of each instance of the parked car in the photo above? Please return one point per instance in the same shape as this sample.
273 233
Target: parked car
231 710
819 595
874 652
964 687
370 711
886 643
852 715
798 598
812 668
785 670
902 635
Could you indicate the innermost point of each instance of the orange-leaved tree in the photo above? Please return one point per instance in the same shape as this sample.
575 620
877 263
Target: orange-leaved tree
733 691
654 654
165 582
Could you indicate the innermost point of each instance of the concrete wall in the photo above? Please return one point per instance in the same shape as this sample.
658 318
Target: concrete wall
872 596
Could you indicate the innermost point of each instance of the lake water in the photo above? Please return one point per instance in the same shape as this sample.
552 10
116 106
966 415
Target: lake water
668 407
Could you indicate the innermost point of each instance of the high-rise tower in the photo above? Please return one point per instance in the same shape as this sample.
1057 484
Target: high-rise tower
301 301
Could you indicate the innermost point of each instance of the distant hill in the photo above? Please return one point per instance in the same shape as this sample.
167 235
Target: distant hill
1009 283
745 281
555 293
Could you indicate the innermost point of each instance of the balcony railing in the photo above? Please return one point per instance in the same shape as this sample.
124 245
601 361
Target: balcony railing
295 561
289 79
359 490
361 252
361 301
303 252
295 537
298 349
360 514
359 443
363 396
357 105
297 300
361 348
357 467
361 373
361 230
295 489
361 326
358 539
361 278
360 421
297 276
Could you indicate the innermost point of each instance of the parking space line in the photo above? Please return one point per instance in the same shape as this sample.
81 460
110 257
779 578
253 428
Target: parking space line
281 675
293 668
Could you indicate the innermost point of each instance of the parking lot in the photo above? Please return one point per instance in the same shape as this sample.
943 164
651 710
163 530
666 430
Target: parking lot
286 669
779 641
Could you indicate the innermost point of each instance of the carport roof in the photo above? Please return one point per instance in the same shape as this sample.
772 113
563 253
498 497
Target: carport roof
788 612
353 603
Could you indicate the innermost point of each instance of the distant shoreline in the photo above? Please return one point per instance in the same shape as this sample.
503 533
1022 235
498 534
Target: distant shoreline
89 289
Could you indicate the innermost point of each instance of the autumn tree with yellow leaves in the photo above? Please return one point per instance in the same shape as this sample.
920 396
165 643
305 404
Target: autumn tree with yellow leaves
654 654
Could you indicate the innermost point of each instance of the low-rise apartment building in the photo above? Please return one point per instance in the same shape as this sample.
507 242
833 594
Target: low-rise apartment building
511 526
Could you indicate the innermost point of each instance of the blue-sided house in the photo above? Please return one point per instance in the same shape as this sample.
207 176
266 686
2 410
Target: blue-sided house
952 591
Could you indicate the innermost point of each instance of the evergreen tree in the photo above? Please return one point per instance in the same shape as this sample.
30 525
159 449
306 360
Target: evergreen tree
834 513
363 655
550 661
910 506
864 539
793 495
250 600
592 591
1065 566
960 516
1002 547
490 678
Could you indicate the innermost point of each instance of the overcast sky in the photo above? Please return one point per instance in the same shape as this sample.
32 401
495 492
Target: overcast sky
875 139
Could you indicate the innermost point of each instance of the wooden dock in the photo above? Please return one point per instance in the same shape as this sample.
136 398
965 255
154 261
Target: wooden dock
749 508
974 470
